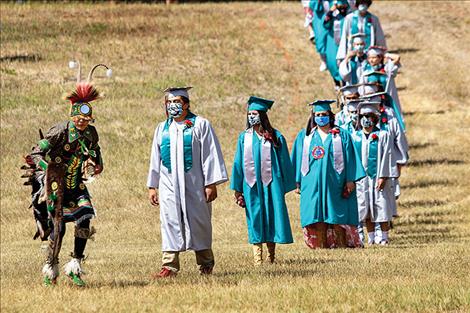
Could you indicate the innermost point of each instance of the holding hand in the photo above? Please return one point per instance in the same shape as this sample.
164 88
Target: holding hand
381 183
153 197
239 199
211 193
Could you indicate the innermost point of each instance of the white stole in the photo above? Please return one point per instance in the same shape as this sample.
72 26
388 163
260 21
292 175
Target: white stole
337 153
249 163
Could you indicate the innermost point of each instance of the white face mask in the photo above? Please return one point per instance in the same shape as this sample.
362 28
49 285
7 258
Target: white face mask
253 119
362 8
359 47
366 122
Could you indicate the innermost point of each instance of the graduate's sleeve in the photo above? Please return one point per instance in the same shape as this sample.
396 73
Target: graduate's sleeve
213 165
379 33
296 156
386 167
353 165
153 179
308 13
345 70
400 143
236 181
343 43
287 170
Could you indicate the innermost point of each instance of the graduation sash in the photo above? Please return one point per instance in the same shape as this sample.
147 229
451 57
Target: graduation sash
187 143
338 159
249 163
372 155
368 28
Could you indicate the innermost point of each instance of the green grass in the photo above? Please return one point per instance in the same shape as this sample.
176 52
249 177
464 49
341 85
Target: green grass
228 52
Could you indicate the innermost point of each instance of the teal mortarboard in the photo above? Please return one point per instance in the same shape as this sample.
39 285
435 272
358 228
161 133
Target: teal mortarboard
322 105
341 2
376 77
259 104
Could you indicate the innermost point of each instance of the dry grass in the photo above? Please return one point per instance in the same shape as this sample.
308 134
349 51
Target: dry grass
229 51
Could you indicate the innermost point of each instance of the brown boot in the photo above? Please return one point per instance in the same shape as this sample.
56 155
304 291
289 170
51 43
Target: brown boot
271 251
258 254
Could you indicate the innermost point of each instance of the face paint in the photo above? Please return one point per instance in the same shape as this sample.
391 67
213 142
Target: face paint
175 109
366 122
322 120
362 8
253 119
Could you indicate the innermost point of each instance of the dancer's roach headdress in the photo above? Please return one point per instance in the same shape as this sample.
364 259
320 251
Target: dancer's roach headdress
84 93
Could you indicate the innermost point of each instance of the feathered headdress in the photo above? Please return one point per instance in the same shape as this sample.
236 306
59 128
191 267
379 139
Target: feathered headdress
84 93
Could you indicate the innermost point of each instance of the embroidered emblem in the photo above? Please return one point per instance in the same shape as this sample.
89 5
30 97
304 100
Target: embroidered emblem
54 186
82 186
318 152
67 147
58 160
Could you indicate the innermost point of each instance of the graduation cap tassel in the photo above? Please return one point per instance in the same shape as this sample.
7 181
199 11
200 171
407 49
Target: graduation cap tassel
90 75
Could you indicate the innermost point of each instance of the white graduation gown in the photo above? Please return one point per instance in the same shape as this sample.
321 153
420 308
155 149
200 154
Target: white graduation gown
379 206
378 36
184 213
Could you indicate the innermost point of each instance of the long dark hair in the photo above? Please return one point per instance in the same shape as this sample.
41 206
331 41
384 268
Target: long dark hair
311 122
265 127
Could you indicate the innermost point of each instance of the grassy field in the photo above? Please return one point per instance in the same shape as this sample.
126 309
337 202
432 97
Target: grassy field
228 52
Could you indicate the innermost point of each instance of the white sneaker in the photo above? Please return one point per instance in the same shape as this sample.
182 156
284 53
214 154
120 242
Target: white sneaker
384 243
322 66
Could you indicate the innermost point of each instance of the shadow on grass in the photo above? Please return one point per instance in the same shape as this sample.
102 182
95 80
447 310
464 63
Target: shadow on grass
435 162
120 284
21 58
404 50
421 203
411 113
426 183
424 145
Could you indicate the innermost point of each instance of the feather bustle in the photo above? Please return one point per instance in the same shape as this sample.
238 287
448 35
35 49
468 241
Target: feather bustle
84 92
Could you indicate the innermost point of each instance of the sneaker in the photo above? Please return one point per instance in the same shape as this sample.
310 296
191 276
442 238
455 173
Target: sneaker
384 242
49 282
322 66
164 273
76 280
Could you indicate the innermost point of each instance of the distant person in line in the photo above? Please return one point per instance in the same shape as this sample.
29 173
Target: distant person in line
347 94
382 68
352 67
375 192
315 11
262 174
186 165
71 155
333 25
327 167
361 21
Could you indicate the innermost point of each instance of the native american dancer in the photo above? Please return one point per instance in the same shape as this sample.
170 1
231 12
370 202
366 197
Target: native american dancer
327 167
186 165
58 167
262 174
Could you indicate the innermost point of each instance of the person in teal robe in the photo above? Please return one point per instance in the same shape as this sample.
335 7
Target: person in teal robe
333 24
262 174
326 167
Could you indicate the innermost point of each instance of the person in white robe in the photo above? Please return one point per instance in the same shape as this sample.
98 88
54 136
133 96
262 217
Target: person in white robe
186 165
346 94
353 65
375 192
360 21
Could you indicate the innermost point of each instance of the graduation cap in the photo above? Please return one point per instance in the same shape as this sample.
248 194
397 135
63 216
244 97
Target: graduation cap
173 92
259 104
358 37
341 2
377 96
366 107
353 104
349 90
376 50
322 105
376 77
368 88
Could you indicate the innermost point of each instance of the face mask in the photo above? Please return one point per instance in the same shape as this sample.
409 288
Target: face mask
175 109
322 120
366 122
353 117
254 120
362 8
359 48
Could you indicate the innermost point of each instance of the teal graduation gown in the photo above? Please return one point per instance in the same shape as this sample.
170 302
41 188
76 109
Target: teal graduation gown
333 27
322 186
266 211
